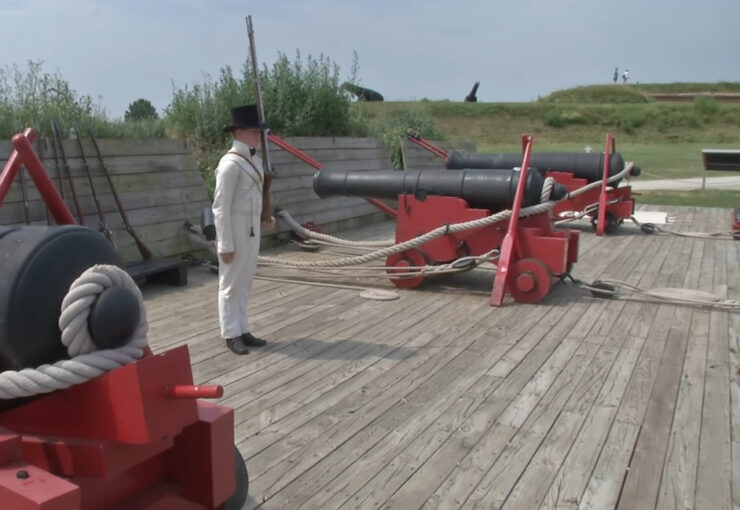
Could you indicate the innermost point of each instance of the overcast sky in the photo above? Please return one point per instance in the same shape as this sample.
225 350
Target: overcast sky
128 49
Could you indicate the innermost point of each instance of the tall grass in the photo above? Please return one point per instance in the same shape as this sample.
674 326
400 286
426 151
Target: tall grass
31 97
302 97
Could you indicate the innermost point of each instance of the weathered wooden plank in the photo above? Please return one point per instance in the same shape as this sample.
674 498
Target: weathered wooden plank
330 142
643 480
122 183
531 488
605 484
631 332
400 429
461 337
714 473
733 285
13 212
110 147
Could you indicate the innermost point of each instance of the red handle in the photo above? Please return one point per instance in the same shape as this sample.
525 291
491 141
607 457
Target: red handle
195 391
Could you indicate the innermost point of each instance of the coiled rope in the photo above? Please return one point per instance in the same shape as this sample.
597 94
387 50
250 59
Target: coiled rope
609 288
86 362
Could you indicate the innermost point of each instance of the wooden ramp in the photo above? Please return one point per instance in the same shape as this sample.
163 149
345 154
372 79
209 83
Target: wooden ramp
439 401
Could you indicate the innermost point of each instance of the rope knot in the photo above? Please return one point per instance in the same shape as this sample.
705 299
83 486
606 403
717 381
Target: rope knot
87 362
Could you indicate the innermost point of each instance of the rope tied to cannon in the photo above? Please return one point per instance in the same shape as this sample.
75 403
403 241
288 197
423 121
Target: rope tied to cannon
86 361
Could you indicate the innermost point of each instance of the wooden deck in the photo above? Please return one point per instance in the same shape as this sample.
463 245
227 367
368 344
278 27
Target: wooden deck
440 401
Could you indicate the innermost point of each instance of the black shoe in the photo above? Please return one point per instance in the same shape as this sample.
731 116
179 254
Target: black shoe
252 341
237 345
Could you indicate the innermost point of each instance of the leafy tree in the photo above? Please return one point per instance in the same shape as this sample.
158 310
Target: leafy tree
141 109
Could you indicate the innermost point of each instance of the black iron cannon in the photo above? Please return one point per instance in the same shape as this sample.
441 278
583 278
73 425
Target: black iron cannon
583 166
471 97
362 93
486 189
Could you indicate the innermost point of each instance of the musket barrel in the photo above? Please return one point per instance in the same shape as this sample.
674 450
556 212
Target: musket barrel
584 166
493 190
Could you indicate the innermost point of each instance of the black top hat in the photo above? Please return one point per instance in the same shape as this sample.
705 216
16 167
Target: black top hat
244 117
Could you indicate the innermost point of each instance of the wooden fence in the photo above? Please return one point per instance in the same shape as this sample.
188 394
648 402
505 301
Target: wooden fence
161 187
157 180
292 190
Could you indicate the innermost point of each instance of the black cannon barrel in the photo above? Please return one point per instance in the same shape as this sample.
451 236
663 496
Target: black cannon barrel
37 266
494 190
584 166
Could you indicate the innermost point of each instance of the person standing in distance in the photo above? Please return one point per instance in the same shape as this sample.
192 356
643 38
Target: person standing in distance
237 206
616 75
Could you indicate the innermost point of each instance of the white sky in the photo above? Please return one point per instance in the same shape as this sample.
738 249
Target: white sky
122 50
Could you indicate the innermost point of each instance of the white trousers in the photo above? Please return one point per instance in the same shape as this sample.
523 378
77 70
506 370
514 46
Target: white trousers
235 279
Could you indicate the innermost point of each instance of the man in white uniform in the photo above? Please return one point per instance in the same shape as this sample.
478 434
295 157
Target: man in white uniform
237 206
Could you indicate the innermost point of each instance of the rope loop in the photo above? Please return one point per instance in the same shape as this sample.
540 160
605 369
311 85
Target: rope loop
86 362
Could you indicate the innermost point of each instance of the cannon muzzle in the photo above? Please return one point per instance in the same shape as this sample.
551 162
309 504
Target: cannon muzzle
486 189
583 166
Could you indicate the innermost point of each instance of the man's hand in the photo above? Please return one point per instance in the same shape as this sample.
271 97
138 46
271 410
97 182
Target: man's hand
227 257
268 224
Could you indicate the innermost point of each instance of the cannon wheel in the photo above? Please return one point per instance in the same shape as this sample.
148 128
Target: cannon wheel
530 280
612 223
400 262
237 500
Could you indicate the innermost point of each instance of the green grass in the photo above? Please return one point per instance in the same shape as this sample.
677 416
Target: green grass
699 198
657 161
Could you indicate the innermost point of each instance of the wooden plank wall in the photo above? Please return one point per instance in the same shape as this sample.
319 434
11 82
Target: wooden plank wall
416 157
157 180
161 187
292 190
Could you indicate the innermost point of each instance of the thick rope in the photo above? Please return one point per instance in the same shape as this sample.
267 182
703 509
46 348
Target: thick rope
679 296
310 234
651 228
86 363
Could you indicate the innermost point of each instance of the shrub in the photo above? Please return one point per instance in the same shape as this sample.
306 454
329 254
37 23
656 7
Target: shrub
706 105
560 118
393 127
141 109
629 120
31 97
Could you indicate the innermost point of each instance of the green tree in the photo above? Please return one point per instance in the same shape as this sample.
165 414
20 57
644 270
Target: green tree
141 109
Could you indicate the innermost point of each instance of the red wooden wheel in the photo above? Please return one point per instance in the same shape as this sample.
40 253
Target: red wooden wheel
530 280
401 262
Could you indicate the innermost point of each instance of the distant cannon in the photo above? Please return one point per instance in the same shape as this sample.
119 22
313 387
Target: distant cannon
362 93
582 166
472 98
486 189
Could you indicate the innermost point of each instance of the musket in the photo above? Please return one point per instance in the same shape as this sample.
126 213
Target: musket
146 254
101 215
65 164
267 182
57 170
40 144
24 190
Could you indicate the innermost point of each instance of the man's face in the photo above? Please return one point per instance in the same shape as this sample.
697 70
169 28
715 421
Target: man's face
249 136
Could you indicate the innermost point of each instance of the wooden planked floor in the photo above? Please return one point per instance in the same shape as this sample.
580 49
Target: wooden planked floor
439 401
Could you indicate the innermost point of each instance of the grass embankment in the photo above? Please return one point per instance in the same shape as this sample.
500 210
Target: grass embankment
664 139
697 198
